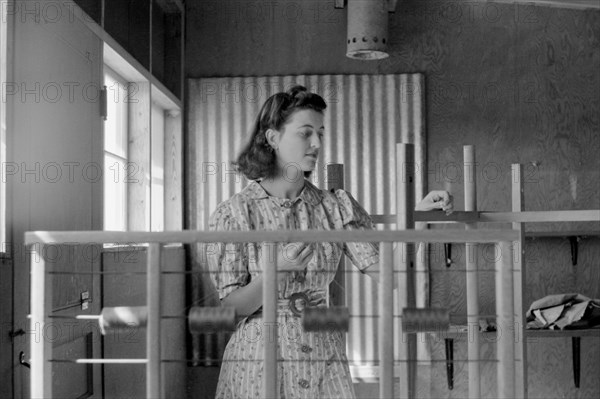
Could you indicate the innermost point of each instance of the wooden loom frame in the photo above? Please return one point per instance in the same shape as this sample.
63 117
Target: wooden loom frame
41 292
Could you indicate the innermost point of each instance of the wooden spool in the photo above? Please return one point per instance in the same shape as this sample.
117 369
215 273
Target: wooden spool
203 320
326 319
421 320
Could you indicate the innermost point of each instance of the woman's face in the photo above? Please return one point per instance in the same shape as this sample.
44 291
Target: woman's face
299 142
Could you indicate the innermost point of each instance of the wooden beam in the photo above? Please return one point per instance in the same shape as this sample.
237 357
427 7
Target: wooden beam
269 294
386 321
441 217
335 180
472 274
137 170
196 236
41 306
520 283
505 345
154 387
571 4
590 215
173 197
404 258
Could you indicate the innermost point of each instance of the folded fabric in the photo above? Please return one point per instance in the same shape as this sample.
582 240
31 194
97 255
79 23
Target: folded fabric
564 311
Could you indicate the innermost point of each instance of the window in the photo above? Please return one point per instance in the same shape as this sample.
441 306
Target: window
141 115
115 152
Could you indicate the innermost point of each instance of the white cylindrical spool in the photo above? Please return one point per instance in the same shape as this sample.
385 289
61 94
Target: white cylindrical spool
336 318
505 346
367 29
472 275
269 257
386 320
203 320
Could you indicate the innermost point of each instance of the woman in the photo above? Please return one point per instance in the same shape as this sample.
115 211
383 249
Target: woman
283 150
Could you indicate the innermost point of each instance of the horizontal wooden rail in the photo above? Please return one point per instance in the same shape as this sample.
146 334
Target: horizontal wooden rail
592 215
189 236
111 361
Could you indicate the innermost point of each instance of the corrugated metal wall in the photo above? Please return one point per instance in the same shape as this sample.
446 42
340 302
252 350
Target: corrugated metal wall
366 116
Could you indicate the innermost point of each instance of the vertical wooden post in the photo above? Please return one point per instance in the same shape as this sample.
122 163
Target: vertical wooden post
270 385
403 256
41 306
386 321
505 347
138 153
337 297
173 196
519 279
470 182
153 299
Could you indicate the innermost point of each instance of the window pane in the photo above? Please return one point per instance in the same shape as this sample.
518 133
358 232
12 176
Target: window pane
115 193
115 152
115 131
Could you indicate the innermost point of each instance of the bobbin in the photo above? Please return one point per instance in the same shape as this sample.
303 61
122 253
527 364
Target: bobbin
326 319
427 319
201 320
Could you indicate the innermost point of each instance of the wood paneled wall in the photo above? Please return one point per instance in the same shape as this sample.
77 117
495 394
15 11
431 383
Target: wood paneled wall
129 380
520 82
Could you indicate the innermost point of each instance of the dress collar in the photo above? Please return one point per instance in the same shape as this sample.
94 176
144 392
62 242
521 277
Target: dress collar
309 193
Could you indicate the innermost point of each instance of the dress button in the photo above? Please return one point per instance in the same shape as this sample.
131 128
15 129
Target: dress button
287 204
306 349
304 383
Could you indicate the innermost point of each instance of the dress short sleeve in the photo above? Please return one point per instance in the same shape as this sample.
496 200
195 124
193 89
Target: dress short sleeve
354 217
226 261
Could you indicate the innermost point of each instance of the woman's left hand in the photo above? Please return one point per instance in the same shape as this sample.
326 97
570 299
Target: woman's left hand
436 200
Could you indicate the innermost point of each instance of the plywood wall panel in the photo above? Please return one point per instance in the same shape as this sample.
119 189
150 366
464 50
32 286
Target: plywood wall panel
129 380
520 82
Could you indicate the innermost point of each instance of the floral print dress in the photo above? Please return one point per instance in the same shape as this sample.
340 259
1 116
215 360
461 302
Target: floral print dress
311 364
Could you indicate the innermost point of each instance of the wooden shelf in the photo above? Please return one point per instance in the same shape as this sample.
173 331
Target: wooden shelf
588 332
459 333
563 234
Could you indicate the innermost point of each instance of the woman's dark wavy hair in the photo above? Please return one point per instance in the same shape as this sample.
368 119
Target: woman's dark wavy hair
257 160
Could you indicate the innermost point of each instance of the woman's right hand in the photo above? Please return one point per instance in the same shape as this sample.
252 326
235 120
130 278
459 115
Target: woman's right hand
293 257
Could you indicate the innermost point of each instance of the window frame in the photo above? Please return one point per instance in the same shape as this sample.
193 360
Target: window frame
123 157
147 97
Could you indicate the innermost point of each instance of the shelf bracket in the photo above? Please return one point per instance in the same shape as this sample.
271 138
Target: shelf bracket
450 362
574 241
448 254
576 346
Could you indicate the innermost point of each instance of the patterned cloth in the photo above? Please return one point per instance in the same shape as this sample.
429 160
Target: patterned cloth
311 365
